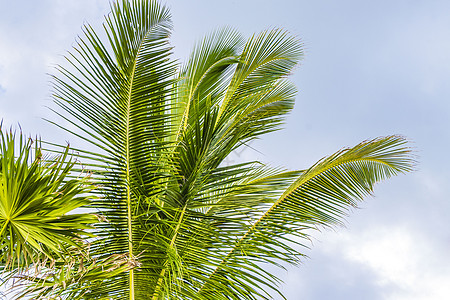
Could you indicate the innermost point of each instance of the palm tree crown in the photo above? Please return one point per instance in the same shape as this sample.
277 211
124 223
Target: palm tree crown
185 224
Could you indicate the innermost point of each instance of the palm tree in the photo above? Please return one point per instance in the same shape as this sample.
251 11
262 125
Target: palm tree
38 195
184 224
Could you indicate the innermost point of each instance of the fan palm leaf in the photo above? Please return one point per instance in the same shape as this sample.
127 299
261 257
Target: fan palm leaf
38 196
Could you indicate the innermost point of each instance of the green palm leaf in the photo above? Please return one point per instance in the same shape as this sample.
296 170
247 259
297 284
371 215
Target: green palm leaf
116 95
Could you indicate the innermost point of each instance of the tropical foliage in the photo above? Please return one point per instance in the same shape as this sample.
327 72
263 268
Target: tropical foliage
177 222
37 194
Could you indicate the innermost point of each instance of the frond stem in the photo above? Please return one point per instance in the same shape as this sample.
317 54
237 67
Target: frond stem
172 243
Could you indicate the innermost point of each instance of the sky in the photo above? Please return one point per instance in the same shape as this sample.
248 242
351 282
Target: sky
371 68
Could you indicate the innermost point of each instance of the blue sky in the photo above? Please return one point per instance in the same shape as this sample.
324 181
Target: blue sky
371 68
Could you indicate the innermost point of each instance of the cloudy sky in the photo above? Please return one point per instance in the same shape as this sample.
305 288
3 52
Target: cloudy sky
371 68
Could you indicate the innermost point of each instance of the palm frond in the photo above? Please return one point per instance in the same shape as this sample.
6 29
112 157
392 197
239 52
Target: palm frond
321 196
115 93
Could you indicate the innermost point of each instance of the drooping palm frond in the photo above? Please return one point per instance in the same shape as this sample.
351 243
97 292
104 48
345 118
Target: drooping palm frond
38 197
189 226
320 197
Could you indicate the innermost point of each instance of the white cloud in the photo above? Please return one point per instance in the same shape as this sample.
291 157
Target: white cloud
406 263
